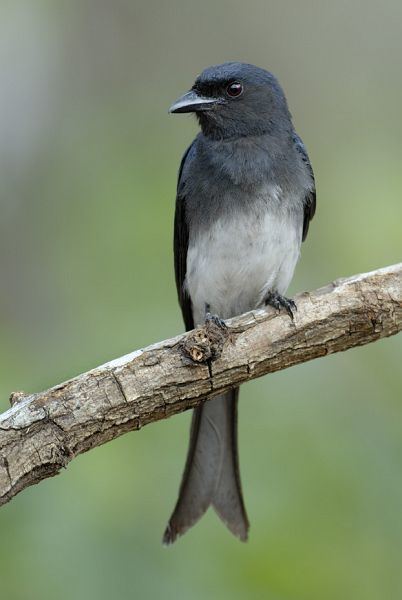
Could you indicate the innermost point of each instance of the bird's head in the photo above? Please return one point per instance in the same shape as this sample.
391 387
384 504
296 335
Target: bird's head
236 100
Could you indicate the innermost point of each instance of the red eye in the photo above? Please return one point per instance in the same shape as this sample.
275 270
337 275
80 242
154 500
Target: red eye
234 89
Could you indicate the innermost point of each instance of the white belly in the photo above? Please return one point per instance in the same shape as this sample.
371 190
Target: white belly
233 264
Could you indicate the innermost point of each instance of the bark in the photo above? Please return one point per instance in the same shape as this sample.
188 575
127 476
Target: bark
43 432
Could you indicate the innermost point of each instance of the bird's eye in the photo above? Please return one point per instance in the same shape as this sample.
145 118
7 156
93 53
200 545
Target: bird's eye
234 89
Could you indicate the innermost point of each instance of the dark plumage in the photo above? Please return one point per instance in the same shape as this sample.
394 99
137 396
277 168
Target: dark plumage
245 198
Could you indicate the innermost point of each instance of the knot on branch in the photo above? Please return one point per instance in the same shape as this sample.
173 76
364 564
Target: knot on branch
206 342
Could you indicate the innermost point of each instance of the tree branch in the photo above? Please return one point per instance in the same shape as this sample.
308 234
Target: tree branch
43 432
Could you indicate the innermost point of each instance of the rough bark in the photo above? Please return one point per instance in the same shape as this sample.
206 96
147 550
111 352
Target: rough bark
43 432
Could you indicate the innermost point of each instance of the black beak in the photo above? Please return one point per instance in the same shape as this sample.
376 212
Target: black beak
193 102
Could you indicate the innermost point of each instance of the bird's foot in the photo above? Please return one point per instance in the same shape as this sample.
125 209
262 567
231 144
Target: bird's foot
215 320
277 301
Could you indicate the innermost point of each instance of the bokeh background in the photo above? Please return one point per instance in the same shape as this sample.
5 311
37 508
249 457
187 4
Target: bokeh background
88 161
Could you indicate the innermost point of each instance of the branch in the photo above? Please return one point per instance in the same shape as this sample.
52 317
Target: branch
43 432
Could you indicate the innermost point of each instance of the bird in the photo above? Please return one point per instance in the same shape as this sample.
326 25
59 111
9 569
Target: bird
245 198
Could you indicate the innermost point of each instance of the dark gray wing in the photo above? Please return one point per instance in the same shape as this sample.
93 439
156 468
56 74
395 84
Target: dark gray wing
180 244
310 199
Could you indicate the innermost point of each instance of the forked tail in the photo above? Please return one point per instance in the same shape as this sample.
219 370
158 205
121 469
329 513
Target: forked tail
211 475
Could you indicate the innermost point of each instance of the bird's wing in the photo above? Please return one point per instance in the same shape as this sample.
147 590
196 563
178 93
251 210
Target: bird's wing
181 235
310 198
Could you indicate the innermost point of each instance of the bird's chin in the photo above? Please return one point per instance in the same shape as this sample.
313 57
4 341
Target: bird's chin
212 125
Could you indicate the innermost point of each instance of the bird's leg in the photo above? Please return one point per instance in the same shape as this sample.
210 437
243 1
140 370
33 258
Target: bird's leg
277 301
209 318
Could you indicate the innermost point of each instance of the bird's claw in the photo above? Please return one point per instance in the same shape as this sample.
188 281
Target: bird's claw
277 301
215 320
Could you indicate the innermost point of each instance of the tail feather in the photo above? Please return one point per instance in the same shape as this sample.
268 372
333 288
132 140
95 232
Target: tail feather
211 475
228 498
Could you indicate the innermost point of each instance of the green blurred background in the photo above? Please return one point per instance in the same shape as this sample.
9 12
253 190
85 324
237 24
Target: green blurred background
88 160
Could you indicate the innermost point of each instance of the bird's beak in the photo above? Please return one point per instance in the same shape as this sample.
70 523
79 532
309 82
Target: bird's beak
192 102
